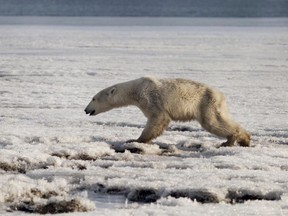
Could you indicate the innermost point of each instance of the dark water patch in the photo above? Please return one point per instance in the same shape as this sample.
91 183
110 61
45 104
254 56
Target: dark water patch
200 195
54 207
143 195
149 195
50 203
116 190
104 189
232 196
241 196
61 207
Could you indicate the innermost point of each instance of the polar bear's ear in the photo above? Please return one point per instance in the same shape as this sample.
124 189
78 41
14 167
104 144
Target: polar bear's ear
112 91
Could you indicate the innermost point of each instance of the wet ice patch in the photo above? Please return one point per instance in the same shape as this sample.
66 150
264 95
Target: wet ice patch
199 195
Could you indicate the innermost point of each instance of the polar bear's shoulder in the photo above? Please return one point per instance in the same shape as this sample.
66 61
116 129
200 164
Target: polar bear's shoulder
151 79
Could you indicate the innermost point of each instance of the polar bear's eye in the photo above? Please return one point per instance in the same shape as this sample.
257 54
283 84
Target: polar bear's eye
93 99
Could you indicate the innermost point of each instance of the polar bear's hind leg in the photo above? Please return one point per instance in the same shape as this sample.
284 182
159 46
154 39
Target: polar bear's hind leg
215 119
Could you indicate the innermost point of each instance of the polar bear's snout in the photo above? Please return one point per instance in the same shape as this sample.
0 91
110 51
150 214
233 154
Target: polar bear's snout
90 111
91 108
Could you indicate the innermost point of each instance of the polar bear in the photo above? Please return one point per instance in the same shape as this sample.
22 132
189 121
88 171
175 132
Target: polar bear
163 100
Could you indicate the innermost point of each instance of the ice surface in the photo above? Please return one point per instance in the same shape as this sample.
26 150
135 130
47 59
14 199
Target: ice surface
53 155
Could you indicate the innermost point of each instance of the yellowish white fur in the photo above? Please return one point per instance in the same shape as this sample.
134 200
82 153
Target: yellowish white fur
163 100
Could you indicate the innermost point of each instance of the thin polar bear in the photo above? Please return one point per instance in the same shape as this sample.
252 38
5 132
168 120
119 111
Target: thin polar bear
165 100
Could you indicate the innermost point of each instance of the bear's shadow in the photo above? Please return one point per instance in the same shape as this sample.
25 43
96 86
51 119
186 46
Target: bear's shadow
164 148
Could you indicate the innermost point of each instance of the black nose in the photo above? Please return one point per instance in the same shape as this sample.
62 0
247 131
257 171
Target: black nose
91 112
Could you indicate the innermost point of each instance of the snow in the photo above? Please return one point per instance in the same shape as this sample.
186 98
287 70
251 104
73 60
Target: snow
53 156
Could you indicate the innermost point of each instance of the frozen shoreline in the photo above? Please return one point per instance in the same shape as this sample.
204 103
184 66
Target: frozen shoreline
143 21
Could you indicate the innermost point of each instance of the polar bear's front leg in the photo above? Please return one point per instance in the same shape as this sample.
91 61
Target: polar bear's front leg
155 126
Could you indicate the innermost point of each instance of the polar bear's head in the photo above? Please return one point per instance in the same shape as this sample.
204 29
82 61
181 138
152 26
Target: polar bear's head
103 101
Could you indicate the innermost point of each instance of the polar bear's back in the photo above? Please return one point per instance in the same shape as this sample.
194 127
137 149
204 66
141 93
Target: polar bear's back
184 100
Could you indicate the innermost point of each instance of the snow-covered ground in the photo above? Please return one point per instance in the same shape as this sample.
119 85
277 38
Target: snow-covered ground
54 158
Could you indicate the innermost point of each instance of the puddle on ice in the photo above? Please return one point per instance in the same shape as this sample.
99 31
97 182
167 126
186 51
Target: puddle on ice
108 201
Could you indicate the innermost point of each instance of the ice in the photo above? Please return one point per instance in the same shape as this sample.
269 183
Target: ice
53 156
